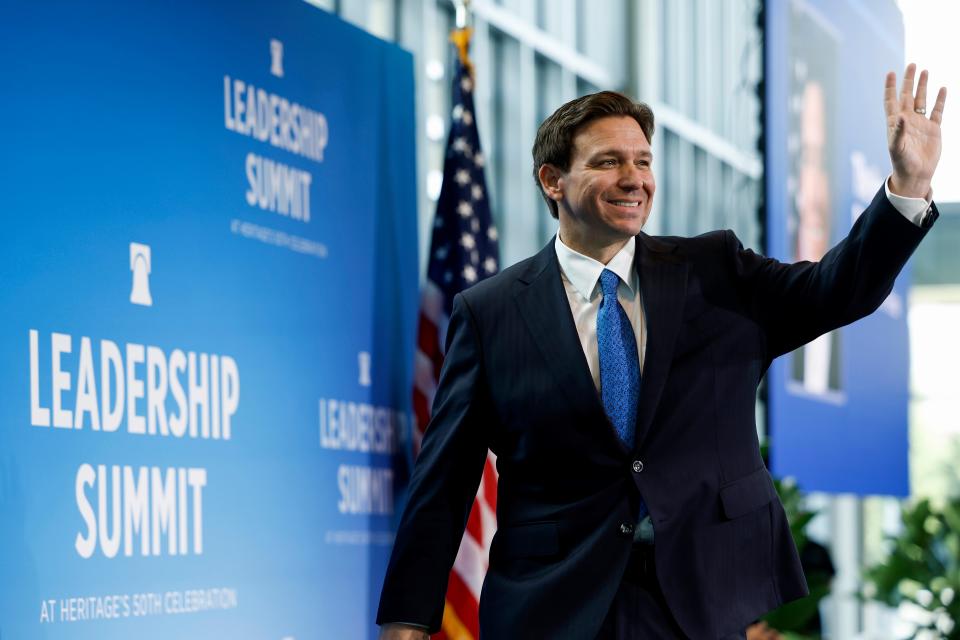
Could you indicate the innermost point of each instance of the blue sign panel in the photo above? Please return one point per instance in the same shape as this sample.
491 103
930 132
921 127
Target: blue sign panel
837 406
209 293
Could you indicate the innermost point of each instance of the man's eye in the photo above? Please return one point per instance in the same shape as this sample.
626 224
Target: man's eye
608 162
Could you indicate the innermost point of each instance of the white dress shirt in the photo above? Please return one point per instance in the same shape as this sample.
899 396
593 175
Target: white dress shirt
581 281
915 210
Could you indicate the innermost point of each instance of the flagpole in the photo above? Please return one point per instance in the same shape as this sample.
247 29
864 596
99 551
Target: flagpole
463 12
462 33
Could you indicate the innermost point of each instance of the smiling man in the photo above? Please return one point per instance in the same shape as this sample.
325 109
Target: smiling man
614 375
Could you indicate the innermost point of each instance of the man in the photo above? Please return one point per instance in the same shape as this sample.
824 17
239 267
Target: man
614 376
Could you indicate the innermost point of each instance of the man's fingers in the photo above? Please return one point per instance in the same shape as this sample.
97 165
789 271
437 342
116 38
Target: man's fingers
937 114
890 94
906 92
920 101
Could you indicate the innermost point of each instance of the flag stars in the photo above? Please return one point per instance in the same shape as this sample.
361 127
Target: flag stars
463 249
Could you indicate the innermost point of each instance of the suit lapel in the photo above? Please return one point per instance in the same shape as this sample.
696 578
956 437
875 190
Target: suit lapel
545 309
663 284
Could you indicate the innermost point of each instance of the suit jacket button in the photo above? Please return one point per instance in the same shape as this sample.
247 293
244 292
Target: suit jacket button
626 529
637 466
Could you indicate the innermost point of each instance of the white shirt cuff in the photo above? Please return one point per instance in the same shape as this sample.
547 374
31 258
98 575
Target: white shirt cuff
913 209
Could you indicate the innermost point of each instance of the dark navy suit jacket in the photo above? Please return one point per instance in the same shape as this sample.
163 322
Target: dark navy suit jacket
515 380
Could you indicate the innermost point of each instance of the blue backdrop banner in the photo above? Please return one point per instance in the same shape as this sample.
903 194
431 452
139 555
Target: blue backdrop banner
838 406
209 294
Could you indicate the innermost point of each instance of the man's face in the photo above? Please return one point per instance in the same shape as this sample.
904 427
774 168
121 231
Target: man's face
608 191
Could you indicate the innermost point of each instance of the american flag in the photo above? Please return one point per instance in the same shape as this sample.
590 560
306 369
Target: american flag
463 251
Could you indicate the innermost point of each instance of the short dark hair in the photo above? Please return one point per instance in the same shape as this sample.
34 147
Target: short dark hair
554 142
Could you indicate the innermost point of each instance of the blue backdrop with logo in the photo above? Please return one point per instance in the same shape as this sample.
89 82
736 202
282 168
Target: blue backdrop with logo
838 406
209 293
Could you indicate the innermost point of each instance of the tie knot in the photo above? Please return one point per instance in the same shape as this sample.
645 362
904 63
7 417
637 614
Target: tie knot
608 283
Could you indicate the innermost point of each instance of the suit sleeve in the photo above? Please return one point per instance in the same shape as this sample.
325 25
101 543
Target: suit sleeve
795 303
443 485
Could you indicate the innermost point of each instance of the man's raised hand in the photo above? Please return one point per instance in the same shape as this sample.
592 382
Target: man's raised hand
913 136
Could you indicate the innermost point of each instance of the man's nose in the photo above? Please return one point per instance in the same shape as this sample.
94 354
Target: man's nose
631 178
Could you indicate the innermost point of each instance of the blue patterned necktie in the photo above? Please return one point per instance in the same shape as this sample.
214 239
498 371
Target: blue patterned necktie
619 366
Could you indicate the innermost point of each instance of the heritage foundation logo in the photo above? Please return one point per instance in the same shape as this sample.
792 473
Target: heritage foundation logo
140 268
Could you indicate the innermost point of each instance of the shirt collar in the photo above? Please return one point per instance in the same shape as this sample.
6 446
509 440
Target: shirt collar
583 272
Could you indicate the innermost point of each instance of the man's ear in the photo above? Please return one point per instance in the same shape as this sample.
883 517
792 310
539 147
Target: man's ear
551 179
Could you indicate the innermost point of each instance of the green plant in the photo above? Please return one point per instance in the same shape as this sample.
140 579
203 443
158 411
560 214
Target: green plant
923 568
